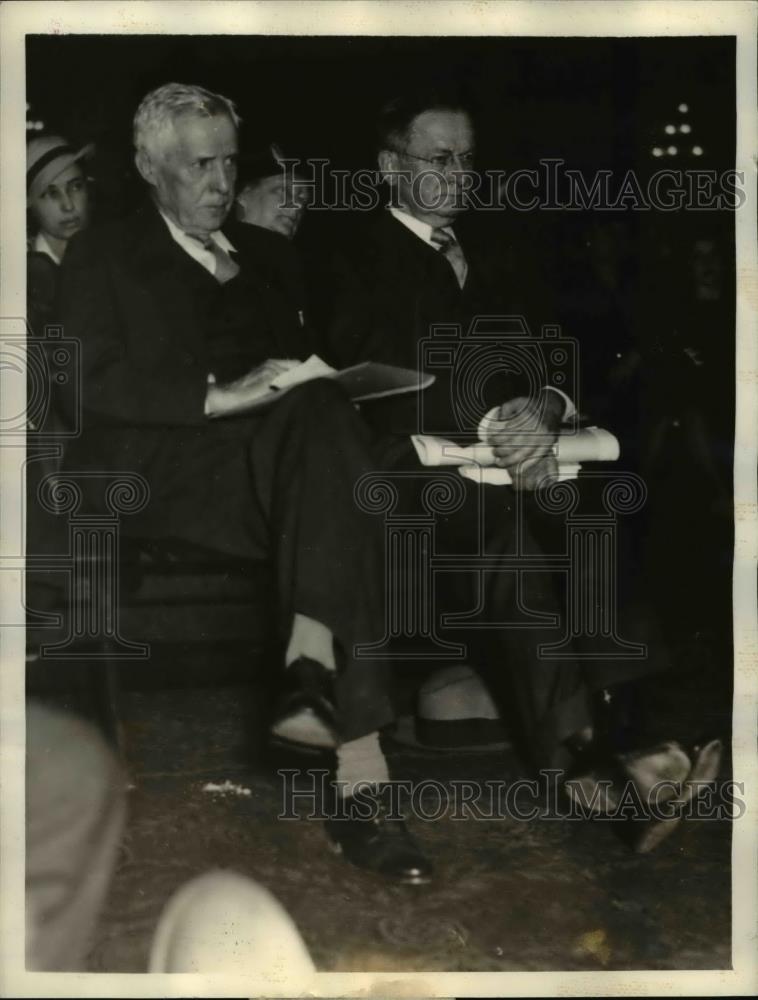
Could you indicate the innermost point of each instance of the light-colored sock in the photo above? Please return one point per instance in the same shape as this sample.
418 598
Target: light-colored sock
312 639
361 762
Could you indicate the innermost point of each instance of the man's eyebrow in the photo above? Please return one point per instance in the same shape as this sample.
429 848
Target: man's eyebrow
216 156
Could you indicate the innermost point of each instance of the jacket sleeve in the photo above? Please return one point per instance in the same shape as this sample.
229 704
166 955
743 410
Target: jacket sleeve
343 313
97 305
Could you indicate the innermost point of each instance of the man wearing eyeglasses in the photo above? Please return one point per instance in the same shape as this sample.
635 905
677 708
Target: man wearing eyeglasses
416 266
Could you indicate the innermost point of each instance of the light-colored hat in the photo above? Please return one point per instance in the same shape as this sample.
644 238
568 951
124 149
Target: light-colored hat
455 709
48 156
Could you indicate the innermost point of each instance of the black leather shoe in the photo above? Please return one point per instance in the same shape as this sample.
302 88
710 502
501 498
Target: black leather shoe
363 831
307 714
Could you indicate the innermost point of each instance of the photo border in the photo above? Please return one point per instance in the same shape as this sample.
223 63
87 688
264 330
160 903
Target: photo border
521 18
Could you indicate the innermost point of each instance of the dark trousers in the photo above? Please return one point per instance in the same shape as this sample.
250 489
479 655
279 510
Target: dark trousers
545 700
636 621
278 486
306 457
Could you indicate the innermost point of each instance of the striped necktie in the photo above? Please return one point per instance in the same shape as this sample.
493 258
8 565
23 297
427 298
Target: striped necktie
449 246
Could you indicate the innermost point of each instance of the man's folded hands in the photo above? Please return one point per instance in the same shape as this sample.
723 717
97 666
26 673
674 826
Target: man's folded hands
523 435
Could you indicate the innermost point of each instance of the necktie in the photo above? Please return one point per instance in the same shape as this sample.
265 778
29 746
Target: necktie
226 268
449 246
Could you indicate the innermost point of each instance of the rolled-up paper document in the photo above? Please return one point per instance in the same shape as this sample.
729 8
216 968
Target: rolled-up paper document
495 476
590 444
440 451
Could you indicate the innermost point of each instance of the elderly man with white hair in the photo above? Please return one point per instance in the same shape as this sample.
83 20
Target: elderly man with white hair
180 329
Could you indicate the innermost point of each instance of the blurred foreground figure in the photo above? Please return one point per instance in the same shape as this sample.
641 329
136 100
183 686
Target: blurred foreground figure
75 811
224 922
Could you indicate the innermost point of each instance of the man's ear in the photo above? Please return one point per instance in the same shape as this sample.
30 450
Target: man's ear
387 160
146 167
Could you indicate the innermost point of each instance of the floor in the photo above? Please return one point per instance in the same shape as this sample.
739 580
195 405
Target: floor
508 895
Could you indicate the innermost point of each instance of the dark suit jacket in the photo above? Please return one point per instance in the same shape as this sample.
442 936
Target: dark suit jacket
278 260
42 275
152 323
388 289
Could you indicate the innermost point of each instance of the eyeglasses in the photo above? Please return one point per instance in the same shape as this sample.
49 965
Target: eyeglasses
445 161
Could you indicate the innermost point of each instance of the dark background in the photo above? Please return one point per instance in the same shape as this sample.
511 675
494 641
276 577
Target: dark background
598 101
656 282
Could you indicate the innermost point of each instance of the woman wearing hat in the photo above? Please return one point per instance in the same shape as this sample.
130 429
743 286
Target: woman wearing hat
271 201
268 195
57 203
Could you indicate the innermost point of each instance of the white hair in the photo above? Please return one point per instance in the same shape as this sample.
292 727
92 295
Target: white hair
161 107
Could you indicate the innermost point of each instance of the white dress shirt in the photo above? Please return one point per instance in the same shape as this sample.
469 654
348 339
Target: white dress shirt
195 248
421 229
40 245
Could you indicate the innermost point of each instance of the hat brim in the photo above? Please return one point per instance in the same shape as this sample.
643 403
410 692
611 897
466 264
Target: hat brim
57 166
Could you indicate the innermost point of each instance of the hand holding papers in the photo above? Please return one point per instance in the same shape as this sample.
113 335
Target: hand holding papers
266 383
244 393
477 461
302 371
369 380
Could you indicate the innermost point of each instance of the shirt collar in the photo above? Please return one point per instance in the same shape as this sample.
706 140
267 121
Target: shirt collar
194 247
40 245
421 229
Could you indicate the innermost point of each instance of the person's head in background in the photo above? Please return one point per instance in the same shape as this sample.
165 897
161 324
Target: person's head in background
269 194
57 196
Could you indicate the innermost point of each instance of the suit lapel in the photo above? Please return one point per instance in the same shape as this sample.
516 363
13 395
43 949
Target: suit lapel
178 285
420 265
278 314
183 291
